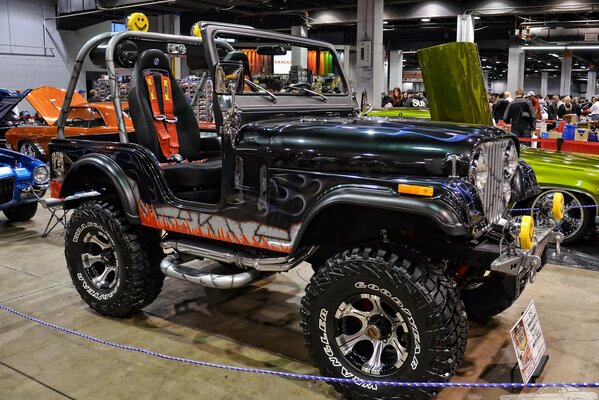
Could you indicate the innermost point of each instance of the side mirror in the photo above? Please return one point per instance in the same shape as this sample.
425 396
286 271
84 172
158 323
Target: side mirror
364 101
228 78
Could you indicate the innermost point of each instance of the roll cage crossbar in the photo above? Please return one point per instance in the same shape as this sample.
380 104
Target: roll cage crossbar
113 39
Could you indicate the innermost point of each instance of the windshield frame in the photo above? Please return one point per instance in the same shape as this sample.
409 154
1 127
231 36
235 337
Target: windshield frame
256 102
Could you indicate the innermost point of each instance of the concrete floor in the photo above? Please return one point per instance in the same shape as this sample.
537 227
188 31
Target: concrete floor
254 327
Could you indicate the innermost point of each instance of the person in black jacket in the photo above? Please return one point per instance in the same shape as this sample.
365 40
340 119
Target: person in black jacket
552 108
521 115
567 108
501 105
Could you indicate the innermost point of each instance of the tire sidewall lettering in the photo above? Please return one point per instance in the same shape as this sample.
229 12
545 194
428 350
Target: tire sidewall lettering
80 233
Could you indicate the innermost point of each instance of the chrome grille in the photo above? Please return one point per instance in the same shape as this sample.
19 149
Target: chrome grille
492 195
6 190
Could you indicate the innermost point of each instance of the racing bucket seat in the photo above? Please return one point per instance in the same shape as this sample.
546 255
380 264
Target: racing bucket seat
165 123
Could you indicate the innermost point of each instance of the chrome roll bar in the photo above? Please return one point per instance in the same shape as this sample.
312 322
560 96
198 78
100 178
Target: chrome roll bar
87 47
113 39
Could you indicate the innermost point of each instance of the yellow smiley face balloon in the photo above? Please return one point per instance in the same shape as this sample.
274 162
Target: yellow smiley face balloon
138 22
195 30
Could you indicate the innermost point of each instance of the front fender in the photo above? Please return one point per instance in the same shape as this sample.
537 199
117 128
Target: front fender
435 209
98 167
525 184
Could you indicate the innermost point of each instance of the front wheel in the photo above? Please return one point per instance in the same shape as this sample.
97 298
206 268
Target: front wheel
30 149
374 315
112 264
21 212
577 220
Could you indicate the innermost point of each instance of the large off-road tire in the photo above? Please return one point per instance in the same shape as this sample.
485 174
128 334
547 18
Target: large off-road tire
22 212
113 265
380 315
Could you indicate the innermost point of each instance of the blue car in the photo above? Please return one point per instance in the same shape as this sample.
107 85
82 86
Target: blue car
22 179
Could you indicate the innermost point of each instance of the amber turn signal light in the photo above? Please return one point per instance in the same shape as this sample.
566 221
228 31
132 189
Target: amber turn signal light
416 190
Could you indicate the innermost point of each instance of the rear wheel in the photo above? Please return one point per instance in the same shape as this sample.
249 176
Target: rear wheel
113 265
375 315
22 212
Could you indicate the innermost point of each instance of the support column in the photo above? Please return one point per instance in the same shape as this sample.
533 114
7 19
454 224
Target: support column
299 55
486 79
465 28
370 50
396 69
347 64
544 83
566 78
592 84
515 69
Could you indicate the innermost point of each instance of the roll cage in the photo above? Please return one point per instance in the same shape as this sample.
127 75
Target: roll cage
209 30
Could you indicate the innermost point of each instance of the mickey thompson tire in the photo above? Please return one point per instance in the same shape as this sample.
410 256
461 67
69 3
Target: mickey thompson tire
374 315
113 265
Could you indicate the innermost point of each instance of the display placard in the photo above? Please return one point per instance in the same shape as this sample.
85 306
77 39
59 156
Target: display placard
529 343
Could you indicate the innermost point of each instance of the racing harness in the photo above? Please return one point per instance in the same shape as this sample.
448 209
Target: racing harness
165 121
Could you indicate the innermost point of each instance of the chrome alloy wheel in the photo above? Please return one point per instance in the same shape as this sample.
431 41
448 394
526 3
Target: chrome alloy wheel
371 334
28 149
99 260
574 216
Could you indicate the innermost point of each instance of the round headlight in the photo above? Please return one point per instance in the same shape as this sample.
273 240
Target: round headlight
41 175
480 171
511 160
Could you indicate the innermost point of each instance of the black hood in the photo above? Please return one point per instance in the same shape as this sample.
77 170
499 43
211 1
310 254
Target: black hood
8 101
371 146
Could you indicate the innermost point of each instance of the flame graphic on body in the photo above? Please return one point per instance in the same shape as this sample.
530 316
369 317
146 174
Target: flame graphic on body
151 218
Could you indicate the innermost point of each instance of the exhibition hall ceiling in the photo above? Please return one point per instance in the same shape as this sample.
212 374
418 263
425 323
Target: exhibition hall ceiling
409 24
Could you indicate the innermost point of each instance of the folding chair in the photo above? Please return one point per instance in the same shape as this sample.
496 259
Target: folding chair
58 215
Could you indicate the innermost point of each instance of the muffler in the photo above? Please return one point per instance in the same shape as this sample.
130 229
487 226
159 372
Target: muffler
226 256
171 266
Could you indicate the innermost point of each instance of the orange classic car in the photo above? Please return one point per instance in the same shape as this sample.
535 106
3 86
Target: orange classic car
33 134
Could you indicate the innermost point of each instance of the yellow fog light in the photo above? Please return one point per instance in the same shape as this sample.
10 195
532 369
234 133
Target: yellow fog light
559 207
526 235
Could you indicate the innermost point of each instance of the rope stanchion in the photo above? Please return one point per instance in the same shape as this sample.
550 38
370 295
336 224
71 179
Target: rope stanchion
302 376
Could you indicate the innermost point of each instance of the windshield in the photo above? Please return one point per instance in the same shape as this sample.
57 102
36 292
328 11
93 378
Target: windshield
277 66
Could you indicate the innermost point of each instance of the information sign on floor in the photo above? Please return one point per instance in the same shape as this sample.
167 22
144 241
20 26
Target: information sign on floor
528 341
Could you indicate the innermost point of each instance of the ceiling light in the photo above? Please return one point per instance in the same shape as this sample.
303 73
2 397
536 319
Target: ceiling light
425 19
497 62
582 47
476 17
483 59
549 64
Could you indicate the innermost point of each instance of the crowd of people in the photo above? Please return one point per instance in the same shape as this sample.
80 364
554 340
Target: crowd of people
523 111
395 98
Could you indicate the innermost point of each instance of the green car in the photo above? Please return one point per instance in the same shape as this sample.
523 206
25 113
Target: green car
575 175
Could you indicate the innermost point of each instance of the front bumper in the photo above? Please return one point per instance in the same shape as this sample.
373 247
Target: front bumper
514 262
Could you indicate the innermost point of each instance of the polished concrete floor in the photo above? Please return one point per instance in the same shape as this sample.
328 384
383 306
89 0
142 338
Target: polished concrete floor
253 327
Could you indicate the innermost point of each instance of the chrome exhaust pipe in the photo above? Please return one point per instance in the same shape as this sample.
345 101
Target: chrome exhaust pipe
226 256
171 266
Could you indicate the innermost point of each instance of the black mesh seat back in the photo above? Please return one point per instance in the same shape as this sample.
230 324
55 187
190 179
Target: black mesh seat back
141 110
